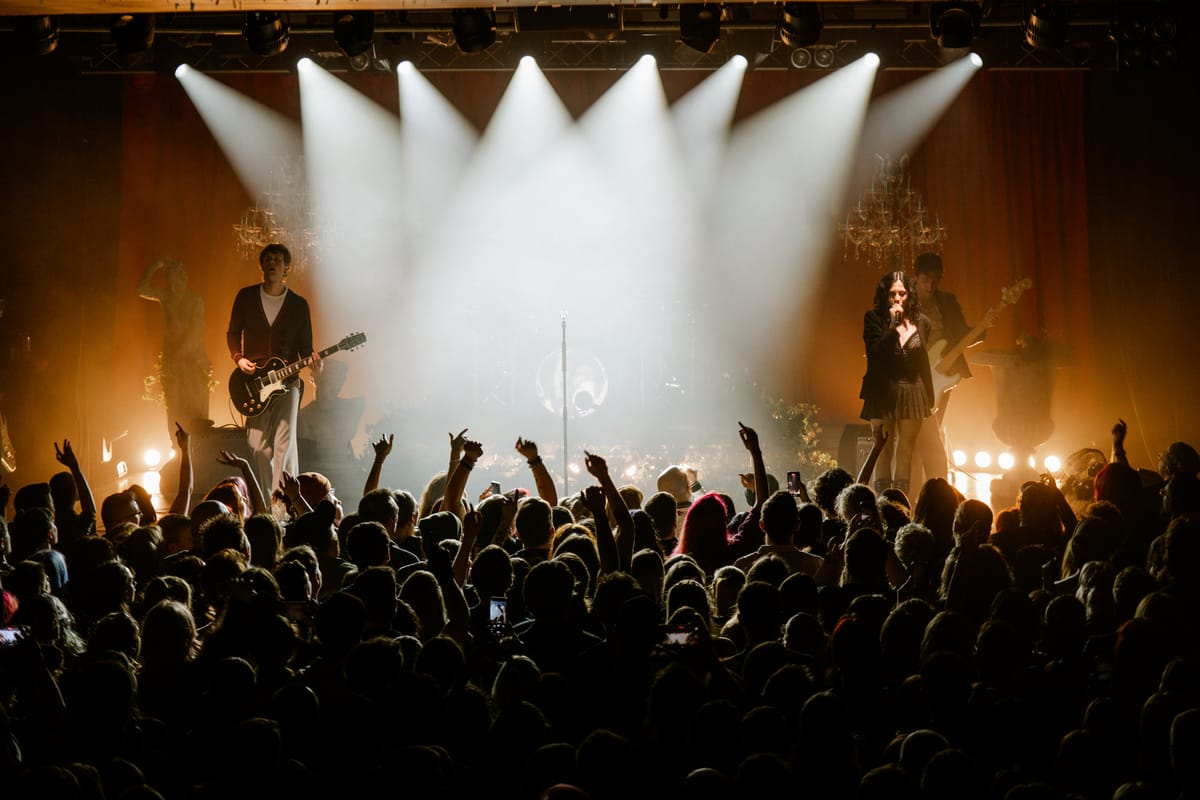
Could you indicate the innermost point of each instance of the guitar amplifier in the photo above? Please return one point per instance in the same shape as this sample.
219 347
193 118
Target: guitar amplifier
854 448
207 444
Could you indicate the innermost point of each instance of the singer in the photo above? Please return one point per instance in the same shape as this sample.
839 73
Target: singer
897 391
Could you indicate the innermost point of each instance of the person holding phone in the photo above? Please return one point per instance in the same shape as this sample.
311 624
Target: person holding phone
897 389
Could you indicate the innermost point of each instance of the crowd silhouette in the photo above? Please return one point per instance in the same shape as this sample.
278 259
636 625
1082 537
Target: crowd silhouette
841 640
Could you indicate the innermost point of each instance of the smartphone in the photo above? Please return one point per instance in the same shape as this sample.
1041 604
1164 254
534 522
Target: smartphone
10 635
498 611
679 636
794 484
495 487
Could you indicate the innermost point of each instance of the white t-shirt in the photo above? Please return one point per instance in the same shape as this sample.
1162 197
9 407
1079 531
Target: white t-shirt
271 304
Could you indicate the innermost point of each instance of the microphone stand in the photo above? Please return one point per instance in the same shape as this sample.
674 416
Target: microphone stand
566 472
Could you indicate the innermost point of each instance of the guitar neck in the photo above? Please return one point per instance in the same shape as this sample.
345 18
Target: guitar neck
296 366
954 352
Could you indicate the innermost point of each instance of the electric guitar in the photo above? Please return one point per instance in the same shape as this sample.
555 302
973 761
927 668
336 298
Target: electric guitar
945 380
251 394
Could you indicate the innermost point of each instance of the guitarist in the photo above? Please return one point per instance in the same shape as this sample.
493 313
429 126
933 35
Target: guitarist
271 321
948 325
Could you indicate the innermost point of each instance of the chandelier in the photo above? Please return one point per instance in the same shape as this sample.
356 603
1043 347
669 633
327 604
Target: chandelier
280 214
890 225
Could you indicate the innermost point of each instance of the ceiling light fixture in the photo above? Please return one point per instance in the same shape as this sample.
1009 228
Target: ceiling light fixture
799 24
474 29
700 26
266 32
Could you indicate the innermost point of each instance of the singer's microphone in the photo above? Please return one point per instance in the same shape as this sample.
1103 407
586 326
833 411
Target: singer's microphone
896 319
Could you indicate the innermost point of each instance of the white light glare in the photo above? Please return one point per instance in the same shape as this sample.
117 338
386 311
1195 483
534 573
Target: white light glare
181 70
740 61
983 459
152 457
1053 463
405 66
651 60
631 471
960 458
871 59
1006 460
573 468
1033 462
528 61
976 60
304 63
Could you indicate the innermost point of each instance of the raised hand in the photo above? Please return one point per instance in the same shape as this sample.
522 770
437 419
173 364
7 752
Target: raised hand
879 435
747 479
66 456
289 484
232 460
597 467
457 443
383 448
472 522
183 439
749 439
527 448
472 449
593 498
1119 430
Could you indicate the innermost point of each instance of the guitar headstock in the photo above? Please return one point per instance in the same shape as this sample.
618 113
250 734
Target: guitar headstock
353 341
1011 293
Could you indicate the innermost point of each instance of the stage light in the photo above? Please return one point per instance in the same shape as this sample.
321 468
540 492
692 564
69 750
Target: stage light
700 26
799 24
954 26
132 33
151 457
801 58
960 458
631 471
181 70
976 59
1053 463
354 31
573 468
983 459
1006 461
823 57
474 29
1033 462
1046 28
36 35
266 32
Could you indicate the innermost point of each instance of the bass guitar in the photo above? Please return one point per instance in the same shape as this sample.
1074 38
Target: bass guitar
943 379
251 394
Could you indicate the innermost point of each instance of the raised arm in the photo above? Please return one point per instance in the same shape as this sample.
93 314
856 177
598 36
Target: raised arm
182 503
438 562
541 475
87 503
456 484
383 448
257 501
1118 442
879 440
470 534
457 443
597 467
750 440
606 545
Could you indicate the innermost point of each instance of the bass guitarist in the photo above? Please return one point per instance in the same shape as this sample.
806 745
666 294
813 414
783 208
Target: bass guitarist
271 321
950 327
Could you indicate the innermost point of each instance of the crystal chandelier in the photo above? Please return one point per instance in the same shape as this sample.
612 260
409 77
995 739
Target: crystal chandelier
890 225
280 214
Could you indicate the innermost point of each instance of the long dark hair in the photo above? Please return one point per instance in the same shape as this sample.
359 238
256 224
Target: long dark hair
912 306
